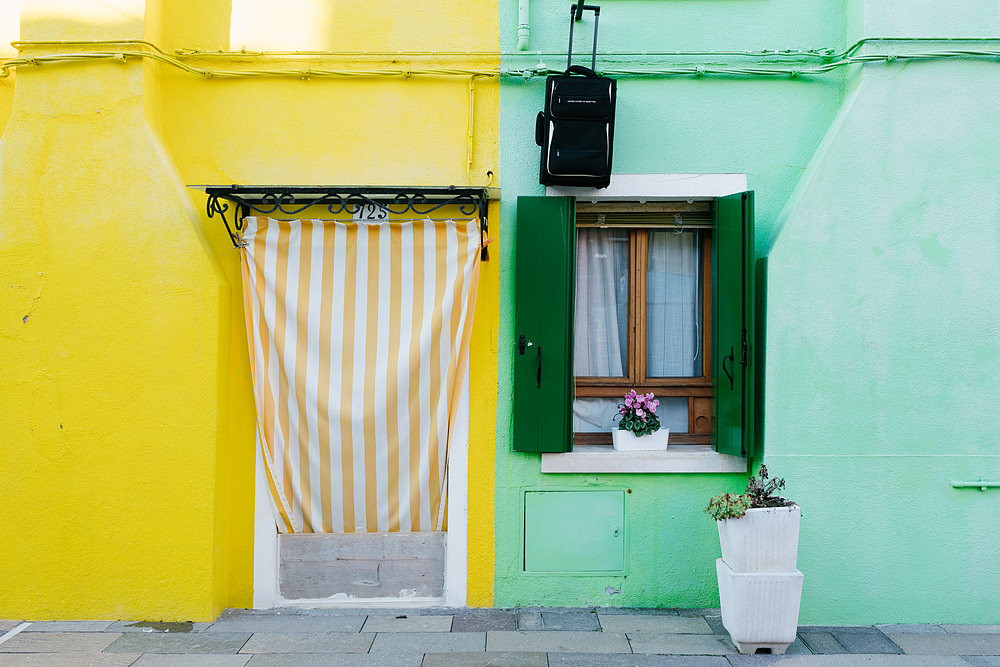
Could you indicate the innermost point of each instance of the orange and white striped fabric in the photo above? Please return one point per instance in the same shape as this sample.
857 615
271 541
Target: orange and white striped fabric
359 335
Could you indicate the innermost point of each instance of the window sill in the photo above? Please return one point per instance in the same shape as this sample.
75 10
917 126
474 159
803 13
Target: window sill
676 458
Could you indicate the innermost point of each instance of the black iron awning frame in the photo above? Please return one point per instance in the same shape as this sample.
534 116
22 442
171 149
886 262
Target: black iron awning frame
292 200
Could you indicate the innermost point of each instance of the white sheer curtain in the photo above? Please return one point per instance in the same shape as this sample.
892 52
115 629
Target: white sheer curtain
596 415
673 305
673 313
601 302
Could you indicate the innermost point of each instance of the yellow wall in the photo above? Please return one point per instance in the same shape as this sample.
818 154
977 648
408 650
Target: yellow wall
129 431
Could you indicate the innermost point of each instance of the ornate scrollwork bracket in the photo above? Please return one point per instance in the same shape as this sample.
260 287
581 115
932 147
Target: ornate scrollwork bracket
292 200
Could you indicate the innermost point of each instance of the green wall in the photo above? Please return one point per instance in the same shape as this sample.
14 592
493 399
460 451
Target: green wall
766 128
883 352
878 209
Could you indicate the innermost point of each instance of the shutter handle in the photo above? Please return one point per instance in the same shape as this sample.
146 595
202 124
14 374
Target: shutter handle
539 366
520 344
728 357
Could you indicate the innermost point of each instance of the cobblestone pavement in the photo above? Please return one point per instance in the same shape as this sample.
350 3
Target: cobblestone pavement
539 637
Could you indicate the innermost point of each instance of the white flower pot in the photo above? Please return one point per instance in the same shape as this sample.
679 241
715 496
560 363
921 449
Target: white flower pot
763 540
627 441
759 610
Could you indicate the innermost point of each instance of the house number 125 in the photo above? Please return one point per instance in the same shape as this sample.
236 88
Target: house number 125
370 212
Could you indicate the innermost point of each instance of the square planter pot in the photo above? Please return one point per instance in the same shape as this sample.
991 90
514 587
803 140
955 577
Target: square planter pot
627 441
760 610
763 540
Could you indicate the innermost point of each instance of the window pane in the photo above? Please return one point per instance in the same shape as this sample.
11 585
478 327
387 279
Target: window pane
600 335
595 415
673 304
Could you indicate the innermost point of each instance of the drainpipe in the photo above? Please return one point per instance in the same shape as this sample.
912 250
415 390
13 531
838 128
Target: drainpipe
523 29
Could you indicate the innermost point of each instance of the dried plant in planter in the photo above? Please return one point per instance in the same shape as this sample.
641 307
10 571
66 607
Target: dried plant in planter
761 492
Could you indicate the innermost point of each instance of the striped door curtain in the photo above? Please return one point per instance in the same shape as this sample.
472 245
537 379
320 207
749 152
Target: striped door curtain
359 336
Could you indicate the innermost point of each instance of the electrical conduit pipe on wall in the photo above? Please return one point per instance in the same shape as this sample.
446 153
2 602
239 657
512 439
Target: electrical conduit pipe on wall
523 27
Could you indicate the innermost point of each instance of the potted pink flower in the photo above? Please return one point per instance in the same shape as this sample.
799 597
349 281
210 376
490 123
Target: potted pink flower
638 426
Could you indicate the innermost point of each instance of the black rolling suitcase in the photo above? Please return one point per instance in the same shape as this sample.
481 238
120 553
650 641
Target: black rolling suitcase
576 130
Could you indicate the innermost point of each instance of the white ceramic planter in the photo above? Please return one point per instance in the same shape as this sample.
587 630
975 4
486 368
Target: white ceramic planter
763 540
627 441
760 610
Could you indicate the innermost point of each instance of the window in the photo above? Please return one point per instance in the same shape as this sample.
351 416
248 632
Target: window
643 277
668 312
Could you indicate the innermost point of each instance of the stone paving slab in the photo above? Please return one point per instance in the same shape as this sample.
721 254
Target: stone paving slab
334 611
836 628
706 611
429 642
577 621
482 621
7 625
335 660
66 660
797 647
558 641
68 626
632 660
715 622
191 660
982 660
674 644
485 660
870 642
877 660
201 642
287 623
910 628
947 644
673 624
60 642
558 610
449 611
529 620
638 611
156 627
572 620
408 624
972 629
822 642
299 642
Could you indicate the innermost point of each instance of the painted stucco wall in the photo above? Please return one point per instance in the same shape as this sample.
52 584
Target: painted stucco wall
877 208
129 485
114 372
883 357
766 128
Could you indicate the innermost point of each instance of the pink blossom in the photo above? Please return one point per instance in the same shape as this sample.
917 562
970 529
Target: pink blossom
653 405
639 412
628 401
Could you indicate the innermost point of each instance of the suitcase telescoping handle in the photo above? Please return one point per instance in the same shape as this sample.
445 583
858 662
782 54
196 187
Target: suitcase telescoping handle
575 14
580 69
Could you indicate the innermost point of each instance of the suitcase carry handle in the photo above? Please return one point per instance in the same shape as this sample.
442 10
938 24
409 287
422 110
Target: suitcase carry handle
575 14
580 69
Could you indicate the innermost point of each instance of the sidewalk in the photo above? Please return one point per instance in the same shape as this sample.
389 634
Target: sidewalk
546 637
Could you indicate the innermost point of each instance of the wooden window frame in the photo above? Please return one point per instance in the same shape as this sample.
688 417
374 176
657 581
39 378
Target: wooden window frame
697 389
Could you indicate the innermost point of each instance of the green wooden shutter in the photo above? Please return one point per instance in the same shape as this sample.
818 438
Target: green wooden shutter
733 346
544 258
